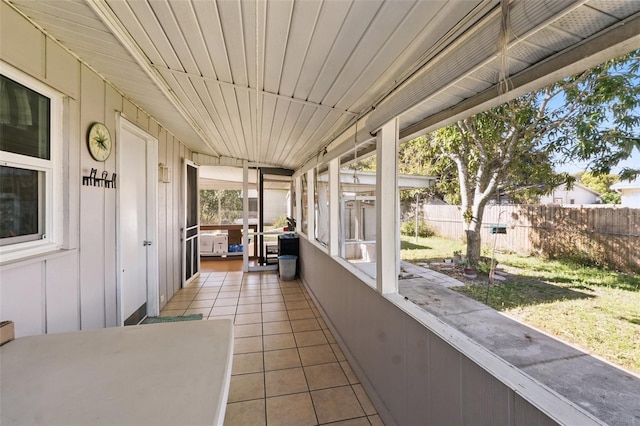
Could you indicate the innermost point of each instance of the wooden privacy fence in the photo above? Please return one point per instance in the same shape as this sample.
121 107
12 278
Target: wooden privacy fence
604 235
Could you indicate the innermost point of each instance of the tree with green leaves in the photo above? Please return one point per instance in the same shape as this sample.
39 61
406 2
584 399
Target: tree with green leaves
592 115
602 183
220 206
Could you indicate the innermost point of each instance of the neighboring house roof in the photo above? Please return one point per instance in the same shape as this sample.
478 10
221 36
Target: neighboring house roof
634 184
586 188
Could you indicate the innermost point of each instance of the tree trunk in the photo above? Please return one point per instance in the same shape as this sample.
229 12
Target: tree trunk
472 231
473 246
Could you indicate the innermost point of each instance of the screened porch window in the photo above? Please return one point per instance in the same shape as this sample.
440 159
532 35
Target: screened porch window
27 196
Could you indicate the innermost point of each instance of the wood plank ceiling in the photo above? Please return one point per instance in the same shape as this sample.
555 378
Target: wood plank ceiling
195 65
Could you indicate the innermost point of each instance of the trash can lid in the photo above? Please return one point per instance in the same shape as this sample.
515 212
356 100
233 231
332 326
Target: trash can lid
287 257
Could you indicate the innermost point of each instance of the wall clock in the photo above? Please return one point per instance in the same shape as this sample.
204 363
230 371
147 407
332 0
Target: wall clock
99 141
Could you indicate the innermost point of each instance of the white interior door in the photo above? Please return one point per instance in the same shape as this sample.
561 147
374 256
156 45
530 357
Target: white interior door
191 226
138 284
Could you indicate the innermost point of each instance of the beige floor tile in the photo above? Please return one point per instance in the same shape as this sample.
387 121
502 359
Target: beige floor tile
305 324
275 316
348 371
247 330
375 420
365 402
212 283
289 284
248 300
247 363
223 310
272 299
188 290
203 311
249 309
296 297
291 410
271 292
272 307
285 382
289 291
329 336
205 296
336 404
248 318
276 327
323 324
225 302
246 413
243 345
313 355
250 293
360 421
301 314
336 350
270 286
279 341
316 312
310 338
325 376
201 304
219 317
183 297
246 386
211 289
171 312
297 304
177 305
228 294
281 359
230 287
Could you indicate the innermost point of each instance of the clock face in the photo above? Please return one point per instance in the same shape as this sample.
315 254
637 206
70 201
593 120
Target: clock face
99 141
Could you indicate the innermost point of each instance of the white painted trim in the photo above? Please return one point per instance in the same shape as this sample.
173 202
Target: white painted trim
153 283
298 212
245 216
53 169
311 211
387 220
334 207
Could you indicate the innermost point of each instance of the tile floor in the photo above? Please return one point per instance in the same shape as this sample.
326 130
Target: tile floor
287 367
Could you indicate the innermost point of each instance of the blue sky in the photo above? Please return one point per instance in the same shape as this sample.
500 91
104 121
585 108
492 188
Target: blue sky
575 167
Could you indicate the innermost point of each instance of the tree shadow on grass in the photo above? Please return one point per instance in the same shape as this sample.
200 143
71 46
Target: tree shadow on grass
635 320
519 292
406 245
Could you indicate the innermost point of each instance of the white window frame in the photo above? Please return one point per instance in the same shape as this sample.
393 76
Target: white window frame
52 169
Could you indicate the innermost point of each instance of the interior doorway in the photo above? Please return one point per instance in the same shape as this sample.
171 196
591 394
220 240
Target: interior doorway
137 224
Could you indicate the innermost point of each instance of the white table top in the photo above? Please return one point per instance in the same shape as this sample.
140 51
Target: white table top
157 374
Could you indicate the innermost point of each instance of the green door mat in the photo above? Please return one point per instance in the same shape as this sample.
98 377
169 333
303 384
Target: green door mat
156 320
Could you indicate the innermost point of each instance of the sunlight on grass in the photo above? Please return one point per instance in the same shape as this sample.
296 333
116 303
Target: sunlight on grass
424 248
593 308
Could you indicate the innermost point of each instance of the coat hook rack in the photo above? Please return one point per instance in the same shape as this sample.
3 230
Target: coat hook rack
102 181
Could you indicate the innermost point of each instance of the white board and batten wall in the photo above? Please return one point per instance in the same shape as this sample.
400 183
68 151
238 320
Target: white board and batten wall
75 287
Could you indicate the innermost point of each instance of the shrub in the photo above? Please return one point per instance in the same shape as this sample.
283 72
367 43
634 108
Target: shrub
280 222
409 228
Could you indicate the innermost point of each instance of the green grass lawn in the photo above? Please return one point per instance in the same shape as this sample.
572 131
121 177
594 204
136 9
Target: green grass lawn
593 308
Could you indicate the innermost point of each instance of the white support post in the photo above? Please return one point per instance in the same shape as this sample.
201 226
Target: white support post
387 226
334 207
311 208
298 210
245 216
